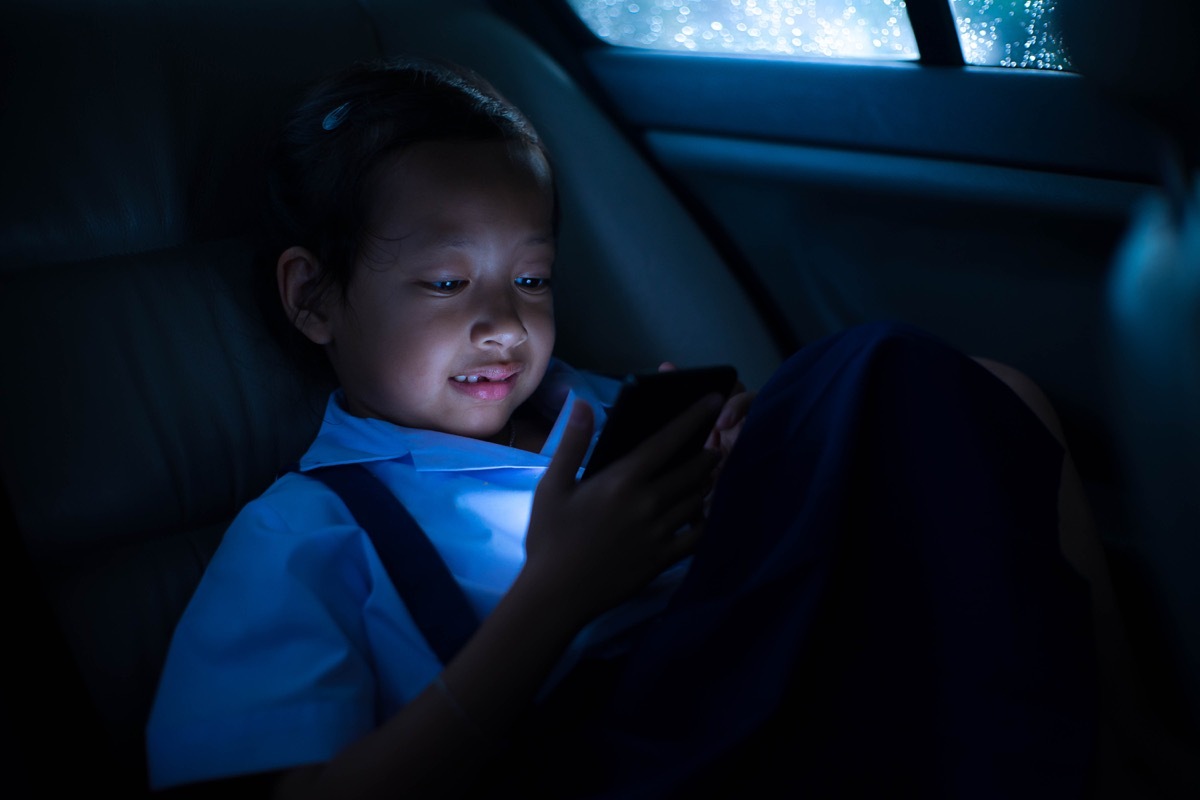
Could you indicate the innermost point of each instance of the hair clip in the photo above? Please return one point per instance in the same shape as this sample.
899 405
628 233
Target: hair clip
336 117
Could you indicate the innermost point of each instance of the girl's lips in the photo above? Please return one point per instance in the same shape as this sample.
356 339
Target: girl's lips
488 384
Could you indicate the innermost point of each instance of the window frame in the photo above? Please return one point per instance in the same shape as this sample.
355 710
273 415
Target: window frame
936 31
925 107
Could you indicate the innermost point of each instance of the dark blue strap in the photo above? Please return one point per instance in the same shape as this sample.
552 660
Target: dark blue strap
431 594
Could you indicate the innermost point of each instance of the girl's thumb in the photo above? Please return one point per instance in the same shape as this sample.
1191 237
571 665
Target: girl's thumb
572 447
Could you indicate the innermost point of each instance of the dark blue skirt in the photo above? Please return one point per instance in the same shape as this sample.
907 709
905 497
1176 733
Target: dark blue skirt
879 606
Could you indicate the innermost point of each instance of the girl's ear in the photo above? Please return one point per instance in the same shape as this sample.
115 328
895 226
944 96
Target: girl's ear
297 274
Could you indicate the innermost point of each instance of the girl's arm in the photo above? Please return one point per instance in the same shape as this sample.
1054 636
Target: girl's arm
436 744
590 545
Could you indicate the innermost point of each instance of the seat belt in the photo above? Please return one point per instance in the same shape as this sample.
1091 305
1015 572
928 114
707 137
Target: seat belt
433 597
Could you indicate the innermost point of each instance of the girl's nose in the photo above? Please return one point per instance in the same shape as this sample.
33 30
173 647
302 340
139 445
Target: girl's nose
499 324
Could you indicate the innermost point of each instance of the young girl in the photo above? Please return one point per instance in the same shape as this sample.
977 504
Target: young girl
874 600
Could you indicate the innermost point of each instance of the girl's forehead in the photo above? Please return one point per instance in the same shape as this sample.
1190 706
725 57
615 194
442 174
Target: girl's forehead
464 163
458 186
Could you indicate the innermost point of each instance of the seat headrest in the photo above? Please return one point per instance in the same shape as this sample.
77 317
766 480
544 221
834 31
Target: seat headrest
133 126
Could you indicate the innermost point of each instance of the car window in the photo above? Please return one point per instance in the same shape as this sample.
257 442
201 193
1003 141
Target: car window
1007 33
1011 33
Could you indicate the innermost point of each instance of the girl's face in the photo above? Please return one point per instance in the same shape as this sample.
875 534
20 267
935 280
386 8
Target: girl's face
448 321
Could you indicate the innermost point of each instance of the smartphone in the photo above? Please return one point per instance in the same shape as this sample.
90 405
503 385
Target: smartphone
649 401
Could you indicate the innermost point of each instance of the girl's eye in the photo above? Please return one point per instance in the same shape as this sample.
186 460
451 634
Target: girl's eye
533 284
446 287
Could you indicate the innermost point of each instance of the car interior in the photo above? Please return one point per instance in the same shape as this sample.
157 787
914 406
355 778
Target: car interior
715 209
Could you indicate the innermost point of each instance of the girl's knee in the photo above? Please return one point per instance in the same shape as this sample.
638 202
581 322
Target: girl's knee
1029 392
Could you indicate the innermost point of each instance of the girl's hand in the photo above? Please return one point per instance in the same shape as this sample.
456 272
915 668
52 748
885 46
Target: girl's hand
728 427
729 424
596 542
725 432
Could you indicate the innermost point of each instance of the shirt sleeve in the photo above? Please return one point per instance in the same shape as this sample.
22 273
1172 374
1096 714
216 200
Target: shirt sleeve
270 665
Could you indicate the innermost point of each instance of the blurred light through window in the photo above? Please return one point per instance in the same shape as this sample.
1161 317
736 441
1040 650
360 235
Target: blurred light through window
1009 33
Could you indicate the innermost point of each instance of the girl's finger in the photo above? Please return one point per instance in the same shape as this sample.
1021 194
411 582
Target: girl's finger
574 445
735 410
691 479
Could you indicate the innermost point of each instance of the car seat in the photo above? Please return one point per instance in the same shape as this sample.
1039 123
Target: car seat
144 399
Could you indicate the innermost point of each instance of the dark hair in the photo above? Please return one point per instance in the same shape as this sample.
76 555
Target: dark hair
347 124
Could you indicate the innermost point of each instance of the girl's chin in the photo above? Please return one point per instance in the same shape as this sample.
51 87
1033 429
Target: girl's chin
492 428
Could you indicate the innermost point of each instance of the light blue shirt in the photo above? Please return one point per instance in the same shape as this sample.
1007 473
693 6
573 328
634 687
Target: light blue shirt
296 643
